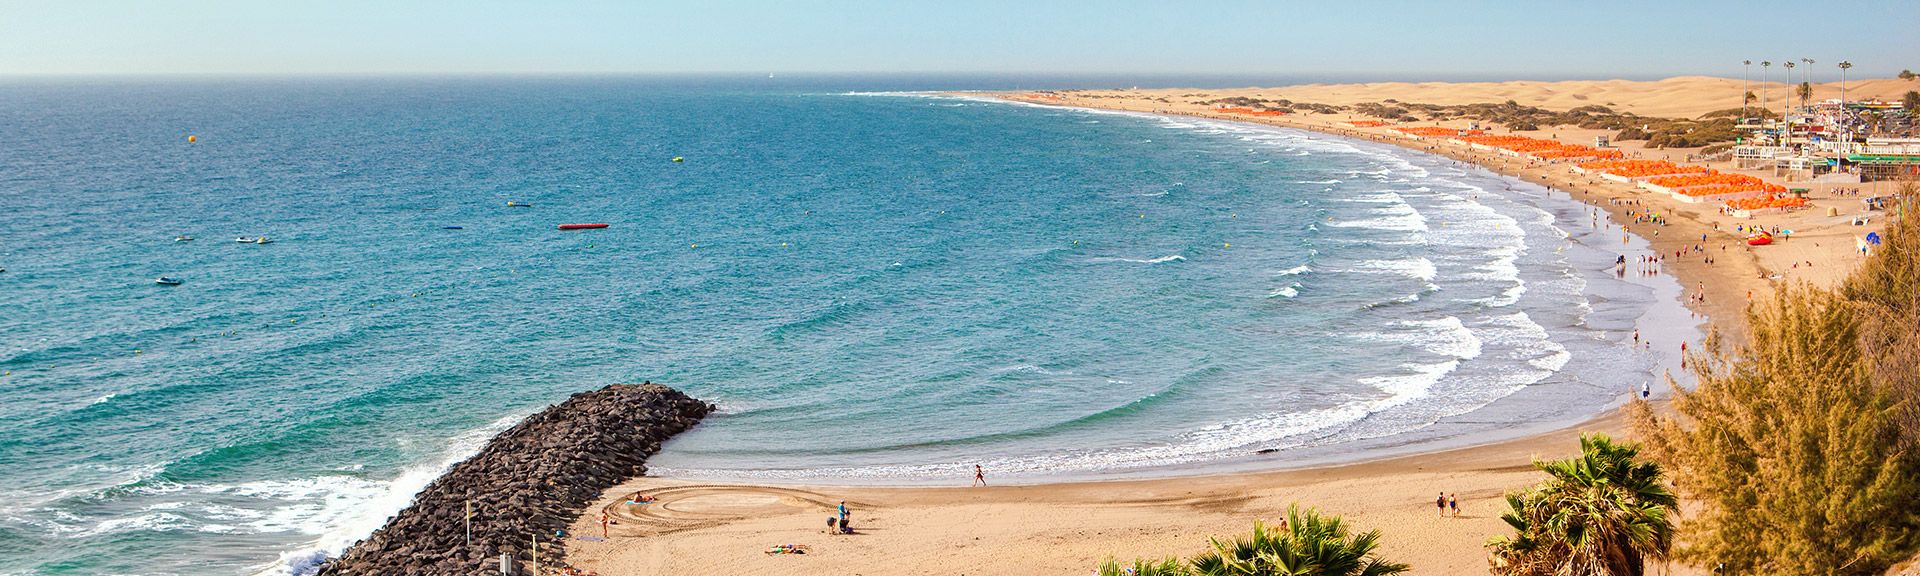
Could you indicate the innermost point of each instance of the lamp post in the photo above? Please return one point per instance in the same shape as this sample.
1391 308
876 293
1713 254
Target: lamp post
1789 107
1807 78
1846 127
1786 110
1746 87
1766 74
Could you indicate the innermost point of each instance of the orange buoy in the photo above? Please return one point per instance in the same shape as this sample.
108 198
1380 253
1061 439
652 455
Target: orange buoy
191 138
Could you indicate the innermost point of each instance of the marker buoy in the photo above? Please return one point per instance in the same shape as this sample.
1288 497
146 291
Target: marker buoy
679 159
191 138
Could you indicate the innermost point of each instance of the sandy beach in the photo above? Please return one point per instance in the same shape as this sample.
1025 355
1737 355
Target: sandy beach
1068 528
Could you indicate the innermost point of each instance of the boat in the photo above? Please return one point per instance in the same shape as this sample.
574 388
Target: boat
453 228
258 240
1761 239
512 204
168 281
581 226
183 238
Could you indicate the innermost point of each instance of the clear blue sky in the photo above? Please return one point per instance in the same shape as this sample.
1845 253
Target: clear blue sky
1543 38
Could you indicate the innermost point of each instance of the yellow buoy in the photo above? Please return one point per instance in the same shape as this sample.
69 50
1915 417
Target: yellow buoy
191 138
679 159
694 245
1226 245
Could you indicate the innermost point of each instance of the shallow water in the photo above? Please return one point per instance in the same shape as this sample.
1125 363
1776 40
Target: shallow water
874 287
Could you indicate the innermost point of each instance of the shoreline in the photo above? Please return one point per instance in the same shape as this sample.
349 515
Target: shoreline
698 526
1662 319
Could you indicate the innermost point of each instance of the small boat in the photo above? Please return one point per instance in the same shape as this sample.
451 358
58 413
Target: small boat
581 226
453 228
1761 239
183 238
258 240
168 281
512 204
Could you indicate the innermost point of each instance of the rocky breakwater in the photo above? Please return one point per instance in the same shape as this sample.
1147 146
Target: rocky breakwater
535 478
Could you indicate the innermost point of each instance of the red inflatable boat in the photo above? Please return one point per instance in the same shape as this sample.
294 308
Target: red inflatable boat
581 226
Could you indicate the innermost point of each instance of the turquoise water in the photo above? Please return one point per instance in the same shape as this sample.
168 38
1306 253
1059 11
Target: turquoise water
875 287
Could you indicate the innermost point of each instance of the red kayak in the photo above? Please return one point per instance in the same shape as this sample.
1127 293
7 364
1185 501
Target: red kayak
581 226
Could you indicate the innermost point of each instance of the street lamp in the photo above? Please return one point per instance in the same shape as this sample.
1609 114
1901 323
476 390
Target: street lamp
1807 78
1844 65
1846 127
1746 87
1789 108
1766 75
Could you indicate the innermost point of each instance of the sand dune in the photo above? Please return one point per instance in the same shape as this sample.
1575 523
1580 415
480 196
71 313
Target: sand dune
1683 97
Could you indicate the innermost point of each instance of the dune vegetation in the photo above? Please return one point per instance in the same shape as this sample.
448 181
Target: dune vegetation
1308 543
1799 451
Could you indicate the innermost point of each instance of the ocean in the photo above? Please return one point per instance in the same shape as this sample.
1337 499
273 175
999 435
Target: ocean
875 284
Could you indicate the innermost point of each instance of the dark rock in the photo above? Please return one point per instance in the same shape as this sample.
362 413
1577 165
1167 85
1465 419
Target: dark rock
532 479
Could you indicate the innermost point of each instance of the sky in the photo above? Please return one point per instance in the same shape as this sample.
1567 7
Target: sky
1544 39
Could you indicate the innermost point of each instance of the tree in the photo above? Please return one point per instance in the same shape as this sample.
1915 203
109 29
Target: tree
1911 100
1907 75
1790 447
1886 291
1603 513
1309 544
1806 91
1752 98
1166 567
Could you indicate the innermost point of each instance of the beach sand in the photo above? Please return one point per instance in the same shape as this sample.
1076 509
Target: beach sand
1068 528
1065 528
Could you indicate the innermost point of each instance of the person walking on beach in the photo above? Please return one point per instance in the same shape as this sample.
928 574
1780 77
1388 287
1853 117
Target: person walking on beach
1454 503
979 476
1441 502
1646 389
604 520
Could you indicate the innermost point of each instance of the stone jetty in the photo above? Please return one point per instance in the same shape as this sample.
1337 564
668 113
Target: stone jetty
535 478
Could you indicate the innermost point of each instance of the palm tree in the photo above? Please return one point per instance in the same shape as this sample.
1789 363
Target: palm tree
1600 514
1309 545
1167 567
